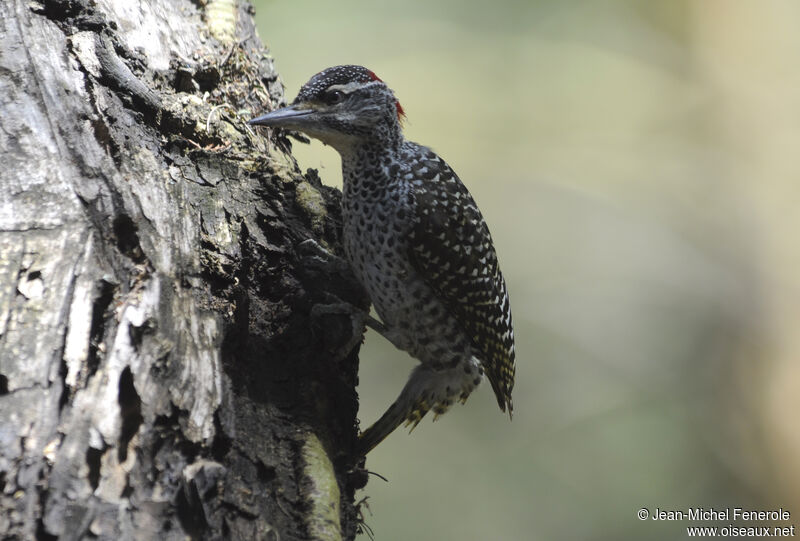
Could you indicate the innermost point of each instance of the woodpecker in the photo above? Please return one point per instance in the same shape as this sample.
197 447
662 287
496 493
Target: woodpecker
416 242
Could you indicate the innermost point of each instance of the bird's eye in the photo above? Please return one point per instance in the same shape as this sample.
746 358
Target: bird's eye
333 97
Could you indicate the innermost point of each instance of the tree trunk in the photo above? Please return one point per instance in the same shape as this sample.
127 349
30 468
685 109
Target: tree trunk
160 375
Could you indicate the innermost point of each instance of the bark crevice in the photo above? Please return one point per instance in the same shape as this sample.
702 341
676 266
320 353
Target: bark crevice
159 373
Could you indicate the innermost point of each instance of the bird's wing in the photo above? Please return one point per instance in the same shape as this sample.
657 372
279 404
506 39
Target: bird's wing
452 249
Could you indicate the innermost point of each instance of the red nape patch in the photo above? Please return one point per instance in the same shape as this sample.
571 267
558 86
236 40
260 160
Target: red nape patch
400 113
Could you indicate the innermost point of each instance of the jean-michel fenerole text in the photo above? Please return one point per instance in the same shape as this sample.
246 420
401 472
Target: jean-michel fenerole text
726 513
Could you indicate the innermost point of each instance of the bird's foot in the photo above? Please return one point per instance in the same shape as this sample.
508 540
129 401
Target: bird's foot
322 270
330 317
314 255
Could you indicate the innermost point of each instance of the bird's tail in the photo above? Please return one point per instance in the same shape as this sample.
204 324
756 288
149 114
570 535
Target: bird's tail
427 389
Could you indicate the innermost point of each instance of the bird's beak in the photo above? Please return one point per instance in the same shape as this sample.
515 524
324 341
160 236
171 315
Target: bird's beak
284 117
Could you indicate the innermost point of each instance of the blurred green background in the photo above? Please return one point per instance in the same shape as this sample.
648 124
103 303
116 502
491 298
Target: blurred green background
637 162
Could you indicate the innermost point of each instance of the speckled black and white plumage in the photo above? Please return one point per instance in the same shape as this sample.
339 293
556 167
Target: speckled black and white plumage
419 245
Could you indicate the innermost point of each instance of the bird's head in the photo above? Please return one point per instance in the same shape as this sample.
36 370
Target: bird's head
341 106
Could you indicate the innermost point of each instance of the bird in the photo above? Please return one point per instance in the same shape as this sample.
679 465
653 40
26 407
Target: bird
417 243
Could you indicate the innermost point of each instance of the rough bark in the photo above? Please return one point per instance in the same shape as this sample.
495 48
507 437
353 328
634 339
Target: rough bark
160 374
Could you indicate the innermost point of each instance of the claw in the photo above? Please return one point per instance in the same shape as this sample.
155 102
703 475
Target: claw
310 247
315 255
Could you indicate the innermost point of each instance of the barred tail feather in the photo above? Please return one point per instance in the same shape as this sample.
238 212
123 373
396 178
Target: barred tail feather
427 389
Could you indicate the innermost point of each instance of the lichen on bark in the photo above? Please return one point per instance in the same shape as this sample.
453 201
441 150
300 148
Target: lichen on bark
160 376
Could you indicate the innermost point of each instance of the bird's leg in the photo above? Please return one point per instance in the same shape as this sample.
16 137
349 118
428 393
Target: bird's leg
359 319
319 260
385 331
363 318
316 256
320 266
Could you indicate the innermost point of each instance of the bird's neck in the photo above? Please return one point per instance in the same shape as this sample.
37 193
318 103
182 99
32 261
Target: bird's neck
382 139
370 164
